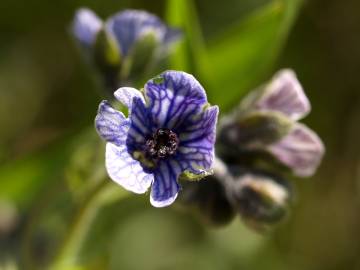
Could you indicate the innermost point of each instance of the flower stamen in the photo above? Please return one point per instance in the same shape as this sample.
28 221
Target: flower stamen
163 143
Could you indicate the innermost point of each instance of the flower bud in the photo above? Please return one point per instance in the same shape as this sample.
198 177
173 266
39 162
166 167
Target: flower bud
86 26
141 57
207 197
127 46
266 123
253 131
107 57
261 199
283 93
208 201
301 150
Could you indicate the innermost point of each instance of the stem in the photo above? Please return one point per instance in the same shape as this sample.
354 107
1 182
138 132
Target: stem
35 214
87 211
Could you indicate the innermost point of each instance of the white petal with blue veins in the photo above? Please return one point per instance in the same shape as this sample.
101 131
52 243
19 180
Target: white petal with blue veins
126 94
173 98
111 124
165 187
196 150
125 170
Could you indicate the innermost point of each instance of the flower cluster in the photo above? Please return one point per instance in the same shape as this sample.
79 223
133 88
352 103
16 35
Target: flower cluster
128 44
170 131
253 141
266 121
169 134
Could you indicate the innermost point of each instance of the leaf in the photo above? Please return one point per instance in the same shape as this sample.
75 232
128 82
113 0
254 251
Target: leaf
241 56
190 53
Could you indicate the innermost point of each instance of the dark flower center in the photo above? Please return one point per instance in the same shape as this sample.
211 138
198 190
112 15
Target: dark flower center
163 143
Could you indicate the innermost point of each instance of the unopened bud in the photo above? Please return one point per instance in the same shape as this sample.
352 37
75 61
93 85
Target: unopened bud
301 150
254 130
107 57
140 58
207 197
260 199
283 93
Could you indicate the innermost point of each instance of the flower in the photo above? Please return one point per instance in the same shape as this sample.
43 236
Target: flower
170 130
267 121
301 149
244 182
126 47
127 27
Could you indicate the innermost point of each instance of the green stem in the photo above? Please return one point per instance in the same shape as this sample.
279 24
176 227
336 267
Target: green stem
86 213
35 215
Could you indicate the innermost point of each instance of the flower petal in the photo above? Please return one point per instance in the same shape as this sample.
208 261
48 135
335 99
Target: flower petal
301 150
111 124
197 139
165 187
174 97
126 94
140 125
86 25
285 94
128 26
125 170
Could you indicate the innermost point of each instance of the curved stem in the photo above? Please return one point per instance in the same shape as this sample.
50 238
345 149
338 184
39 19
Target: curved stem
78 229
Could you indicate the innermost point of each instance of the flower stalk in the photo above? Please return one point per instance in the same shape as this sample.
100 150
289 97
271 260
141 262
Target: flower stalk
69 249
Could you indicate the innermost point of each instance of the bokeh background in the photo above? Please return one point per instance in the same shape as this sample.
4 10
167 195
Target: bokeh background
49 97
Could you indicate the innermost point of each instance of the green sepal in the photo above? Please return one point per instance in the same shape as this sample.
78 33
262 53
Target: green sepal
249 101
189 176
140 59
158 79
106 51
264 128
253 130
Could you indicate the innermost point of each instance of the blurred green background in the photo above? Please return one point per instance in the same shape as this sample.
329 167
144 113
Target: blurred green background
49 97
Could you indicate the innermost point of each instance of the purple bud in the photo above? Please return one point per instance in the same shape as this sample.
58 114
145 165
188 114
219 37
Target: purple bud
86 25
301 150
283 93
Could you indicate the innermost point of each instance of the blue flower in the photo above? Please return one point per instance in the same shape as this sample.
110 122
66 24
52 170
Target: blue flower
126 28
170 130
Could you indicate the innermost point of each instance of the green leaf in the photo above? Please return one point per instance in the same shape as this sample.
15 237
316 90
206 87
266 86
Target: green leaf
190 53
243 54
